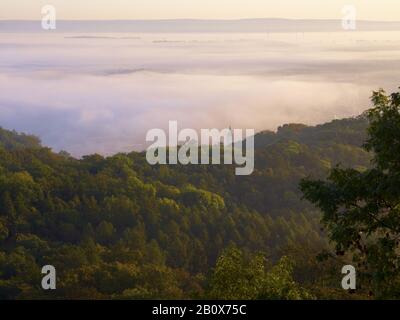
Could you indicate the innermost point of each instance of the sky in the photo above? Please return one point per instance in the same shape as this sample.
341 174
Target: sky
384 10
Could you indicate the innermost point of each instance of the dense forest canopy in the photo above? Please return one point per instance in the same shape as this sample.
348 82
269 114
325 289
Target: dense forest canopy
117 227
361 208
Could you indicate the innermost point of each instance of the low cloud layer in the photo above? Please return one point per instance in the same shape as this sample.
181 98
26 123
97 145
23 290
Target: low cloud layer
100 93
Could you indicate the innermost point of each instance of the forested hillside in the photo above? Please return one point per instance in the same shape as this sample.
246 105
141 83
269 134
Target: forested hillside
361 208
12 140
118 227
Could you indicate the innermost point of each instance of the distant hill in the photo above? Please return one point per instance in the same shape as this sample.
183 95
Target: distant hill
118 227
350 131
193 26
12 140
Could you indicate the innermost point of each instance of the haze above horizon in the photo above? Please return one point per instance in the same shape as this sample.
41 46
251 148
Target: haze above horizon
384 10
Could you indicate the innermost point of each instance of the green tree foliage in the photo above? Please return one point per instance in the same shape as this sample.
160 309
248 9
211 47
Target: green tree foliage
11 140
361 208
239 276
279 283
118 228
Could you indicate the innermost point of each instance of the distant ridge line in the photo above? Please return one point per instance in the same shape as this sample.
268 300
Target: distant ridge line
255 25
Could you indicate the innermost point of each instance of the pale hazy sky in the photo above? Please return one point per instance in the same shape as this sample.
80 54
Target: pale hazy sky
102 94
200 9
